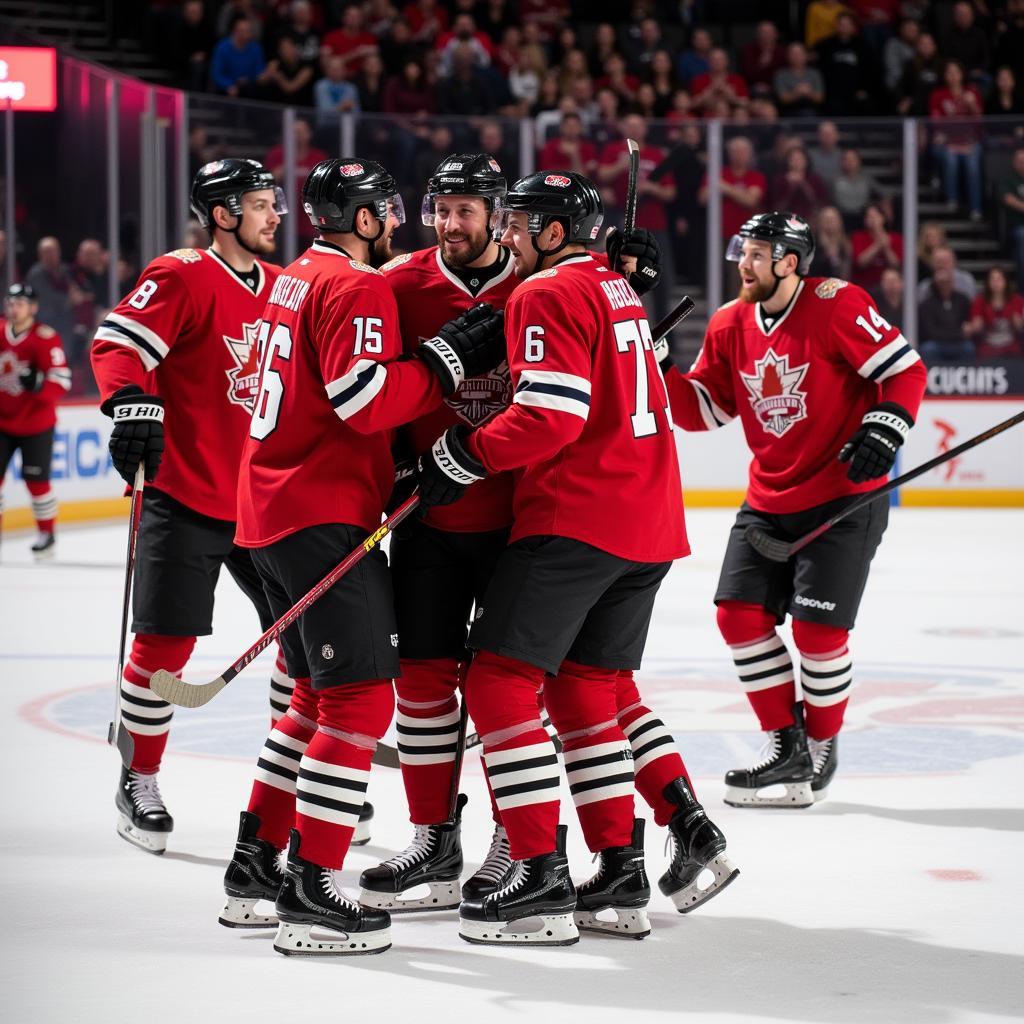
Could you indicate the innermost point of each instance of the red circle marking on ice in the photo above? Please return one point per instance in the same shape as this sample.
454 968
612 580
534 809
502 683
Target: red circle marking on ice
954 874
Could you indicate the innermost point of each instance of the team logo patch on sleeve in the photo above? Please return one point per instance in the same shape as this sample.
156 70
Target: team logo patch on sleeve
775 393
398 261
480 398
244 378
364 267
543 274
186 255
829 287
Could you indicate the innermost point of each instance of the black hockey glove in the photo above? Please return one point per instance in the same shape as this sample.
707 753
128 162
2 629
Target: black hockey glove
405 484
644 246
871 451
31 380
138 435
447 469
469 345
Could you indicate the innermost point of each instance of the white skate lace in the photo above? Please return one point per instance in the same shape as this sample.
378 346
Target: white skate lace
820 749
418 850
768 752
515 882
146 793
498 859
330 889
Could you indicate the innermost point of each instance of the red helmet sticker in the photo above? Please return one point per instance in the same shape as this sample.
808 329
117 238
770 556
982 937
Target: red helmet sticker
557 179
351 170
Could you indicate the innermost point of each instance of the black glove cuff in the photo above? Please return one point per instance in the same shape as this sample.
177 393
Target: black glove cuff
454 460
444 361
890 416
131 403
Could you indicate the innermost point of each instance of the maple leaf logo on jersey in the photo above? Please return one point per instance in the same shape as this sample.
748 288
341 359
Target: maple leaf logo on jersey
10 374
244 380
775 393
480 398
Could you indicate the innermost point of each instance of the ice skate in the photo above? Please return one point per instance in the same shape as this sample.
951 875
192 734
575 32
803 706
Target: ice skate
254 874
44 547
534 907
490 876
317 919
143 818
698 846
785 762
825 757
620 886
433 859
361 836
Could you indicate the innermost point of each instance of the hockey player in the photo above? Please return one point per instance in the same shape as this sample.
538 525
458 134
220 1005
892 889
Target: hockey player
33 377
182 345
590 440
316 473
827 391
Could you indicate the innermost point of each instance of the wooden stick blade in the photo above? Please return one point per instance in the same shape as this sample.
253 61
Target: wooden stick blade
118 736
176 691
769 547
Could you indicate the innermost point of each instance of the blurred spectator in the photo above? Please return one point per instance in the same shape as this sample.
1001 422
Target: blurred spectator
685 162
942 317
931 236
526 75
966 41
545 15
56 292
188 45
800 89
333 94
762 57
943 266
463 37
237 61
494 17
604 45
832 253
826 156
617 78
1005 98
764 127
199 150
848 68
440 143
288 78
466 91
875 248
301 26
798 190
196 236
233 10
371 82
718 83
307 156
920 77
899 51
89 274
645 46
427 19
1010 36
573 67
350 41
743 187
955 143
697 59
822 16
854 189
398 47
889 296
569 150
997 318
662 77
491 140
1010 192
682 108
877 18
380 15
410 92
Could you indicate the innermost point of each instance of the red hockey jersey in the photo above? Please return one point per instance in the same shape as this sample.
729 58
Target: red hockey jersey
800 387
589 431
330 393
428 294
187 333
23 413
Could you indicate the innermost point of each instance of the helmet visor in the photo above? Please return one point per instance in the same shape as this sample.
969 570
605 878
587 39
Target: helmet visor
395 207
280 203
734 250
427 210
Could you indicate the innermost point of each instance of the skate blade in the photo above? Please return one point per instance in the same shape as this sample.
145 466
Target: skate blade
691 896
547 930
361 836
797 794
151 842
629 923
440 896
44 556
820 794
300 940
240 912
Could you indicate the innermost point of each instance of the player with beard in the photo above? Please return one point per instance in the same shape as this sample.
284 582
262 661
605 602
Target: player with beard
316 472
181 345
827 391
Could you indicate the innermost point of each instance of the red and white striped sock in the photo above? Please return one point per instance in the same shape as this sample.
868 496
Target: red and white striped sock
44 505
281 687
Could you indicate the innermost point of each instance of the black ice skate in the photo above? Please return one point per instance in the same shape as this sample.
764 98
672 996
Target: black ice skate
254 874
825 757
490 876
785 761
361 835
317 919
143 819
44 546
533 908
620 885
433 858
698 845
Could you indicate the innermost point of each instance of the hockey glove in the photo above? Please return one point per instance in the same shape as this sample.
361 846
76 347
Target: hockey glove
447 469
467 346
138 434
31 380
642 245
405 484
871 451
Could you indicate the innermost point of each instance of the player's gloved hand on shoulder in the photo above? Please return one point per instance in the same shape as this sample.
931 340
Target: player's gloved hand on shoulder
872 450
138 434
447 469
643 247
31 380
467 346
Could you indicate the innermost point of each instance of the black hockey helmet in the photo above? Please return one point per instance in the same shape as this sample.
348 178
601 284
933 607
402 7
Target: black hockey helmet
465 174
545 196
224 182
21 291
786 232
337 189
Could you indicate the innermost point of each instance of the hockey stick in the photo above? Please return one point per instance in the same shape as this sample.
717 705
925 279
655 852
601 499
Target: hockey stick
460 752
195 695
776 550
629 219
118 734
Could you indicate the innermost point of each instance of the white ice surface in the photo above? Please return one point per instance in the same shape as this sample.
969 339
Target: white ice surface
899 899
